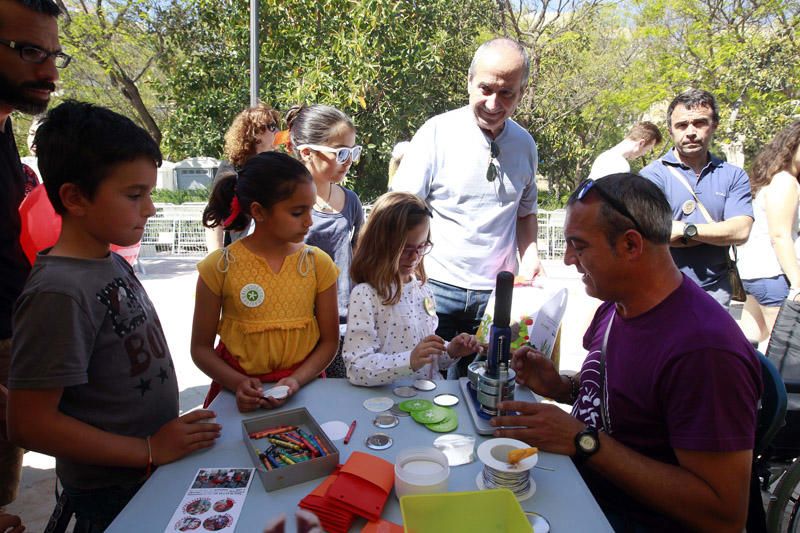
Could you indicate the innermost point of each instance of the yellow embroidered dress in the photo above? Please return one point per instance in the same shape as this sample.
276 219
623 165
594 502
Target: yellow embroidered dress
268 320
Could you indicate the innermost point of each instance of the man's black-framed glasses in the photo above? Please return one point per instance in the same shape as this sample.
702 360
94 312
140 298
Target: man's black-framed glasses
589 184
494 152
34 54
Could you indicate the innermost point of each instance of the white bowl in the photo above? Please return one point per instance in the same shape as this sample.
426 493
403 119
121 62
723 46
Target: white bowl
420 471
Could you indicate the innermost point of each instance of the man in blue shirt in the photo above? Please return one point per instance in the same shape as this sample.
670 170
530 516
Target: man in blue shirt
710 199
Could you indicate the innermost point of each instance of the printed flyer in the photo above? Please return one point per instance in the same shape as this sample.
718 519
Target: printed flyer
213 501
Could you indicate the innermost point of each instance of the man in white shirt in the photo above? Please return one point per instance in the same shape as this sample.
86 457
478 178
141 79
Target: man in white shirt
476 170
641 138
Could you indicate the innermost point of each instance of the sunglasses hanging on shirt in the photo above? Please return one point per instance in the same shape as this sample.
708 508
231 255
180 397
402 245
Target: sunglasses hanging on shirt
494 152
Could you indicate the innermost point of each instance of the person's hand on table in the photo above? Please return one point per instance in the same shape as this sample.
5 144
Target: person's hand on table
10 523
183 435
423 353
536 371
462 345
307 522
270 402
545 426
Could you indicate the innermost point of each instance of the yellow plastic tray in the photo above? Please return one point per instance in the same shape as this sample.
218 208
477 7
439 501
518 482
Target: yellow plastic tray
484 511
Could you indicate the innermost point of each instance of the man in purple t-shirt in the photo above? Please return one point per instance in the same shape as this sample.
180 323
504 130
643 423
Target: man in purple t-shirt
664 408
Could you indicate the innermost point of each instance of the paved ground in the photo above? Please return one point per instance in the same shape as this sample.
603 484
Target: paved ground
170 283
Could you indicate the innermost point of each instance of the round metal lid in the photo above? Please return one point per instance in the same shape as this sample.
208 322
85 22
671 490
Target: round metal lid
405 392
446 400
379 441
424 385
385 421
396 411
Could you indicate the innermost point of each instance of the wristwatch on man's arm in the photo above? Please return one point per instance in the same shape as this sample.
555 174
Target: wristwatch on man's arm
587 443
689 232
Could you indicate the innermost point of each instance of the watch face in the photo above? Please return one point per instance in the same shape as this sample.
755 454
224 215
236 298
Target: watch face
587 443
691 231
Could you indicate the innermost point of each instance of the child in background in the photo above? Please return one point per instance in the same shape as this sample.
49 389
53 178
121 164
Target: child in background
324 139
92 381
251 132
276 294
390 330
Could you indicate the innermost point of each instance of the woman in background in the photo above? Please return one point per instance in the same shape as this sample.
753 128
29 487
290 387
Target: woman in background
768 262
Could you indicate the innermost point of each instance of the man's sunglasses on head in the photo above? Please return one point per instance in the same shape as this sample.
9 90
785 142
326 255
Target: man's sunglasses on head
590 184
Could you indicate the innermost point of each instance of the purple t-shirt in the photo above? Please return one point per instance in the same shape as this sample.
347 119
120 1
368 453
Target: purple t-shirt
682 375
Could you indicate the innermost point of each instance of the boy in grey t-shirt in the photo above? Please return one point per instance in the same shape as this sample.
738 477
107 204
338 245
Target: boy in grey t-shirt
92 382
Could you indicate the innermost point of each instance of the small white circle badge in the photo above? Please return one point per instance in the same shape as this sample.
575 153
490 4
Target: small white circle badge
252 295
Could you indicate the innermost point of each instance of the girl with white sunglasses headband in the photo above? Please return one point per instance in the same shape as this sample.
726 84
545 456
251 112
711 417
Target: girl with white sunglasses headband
324 139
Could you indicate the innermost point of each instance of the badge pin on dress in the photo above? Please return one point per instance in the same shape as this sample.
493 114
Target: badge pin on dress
688 207
252 295
429 305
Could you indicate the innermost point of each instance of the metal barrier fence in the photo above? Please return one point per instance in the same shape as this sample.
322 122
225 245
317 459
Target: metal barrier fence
175 230
178 230
552 244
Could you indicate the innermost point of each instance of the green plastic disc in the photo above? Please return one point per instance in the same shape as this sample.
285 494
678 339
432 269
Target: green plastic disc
450 422
417 404
430 416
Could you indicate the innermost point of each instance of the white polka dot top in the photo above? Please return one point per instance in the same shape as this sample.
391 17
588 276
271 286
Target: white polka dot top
379 339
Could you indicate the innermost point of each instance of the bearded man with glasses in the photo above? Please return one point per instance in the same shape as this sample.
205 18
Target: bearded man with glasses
476 169
29 58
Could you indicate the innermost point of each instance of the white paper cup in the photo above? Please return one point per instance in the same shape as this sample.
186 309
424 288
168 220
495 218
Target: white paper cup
420 471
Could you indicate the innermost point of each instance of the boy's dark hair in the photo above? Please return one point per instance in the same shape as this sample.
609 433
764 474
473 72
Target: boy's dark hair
47 7
266 178
79 143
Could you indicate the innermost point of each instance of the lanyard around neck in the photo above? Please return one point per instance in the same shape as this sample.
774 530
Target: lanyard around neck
605 418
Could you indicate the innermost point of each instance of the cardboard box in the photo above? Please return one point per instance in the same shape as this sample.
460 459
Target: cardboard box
286 476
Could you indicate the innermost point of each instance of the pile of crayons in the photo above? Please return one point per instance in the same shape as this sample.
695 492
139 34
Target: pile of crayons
288 445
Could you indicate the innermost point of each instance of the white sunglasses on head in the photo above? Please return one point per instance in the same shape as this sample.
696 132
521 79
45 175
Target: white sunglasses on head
342 154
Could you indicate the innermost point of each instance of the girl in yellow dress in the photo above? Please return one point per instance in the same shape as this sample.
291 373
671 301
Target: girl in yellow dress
270 297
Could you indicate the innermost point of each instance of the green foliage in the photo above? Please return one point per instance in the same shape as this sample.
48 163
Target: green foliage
114 44
553 199
576 104
743 51
166 196
390 65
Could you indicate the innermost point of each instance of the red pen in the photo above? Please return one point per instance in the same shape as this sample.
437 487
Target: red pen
350 432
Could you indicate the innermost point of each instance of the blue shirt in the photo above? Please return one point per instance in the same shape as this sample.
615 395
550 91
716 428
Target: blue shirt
724 190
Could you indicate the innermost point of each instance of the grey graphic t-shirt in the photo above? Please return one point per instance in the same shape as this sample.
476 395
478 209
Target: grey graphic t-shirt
88 326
